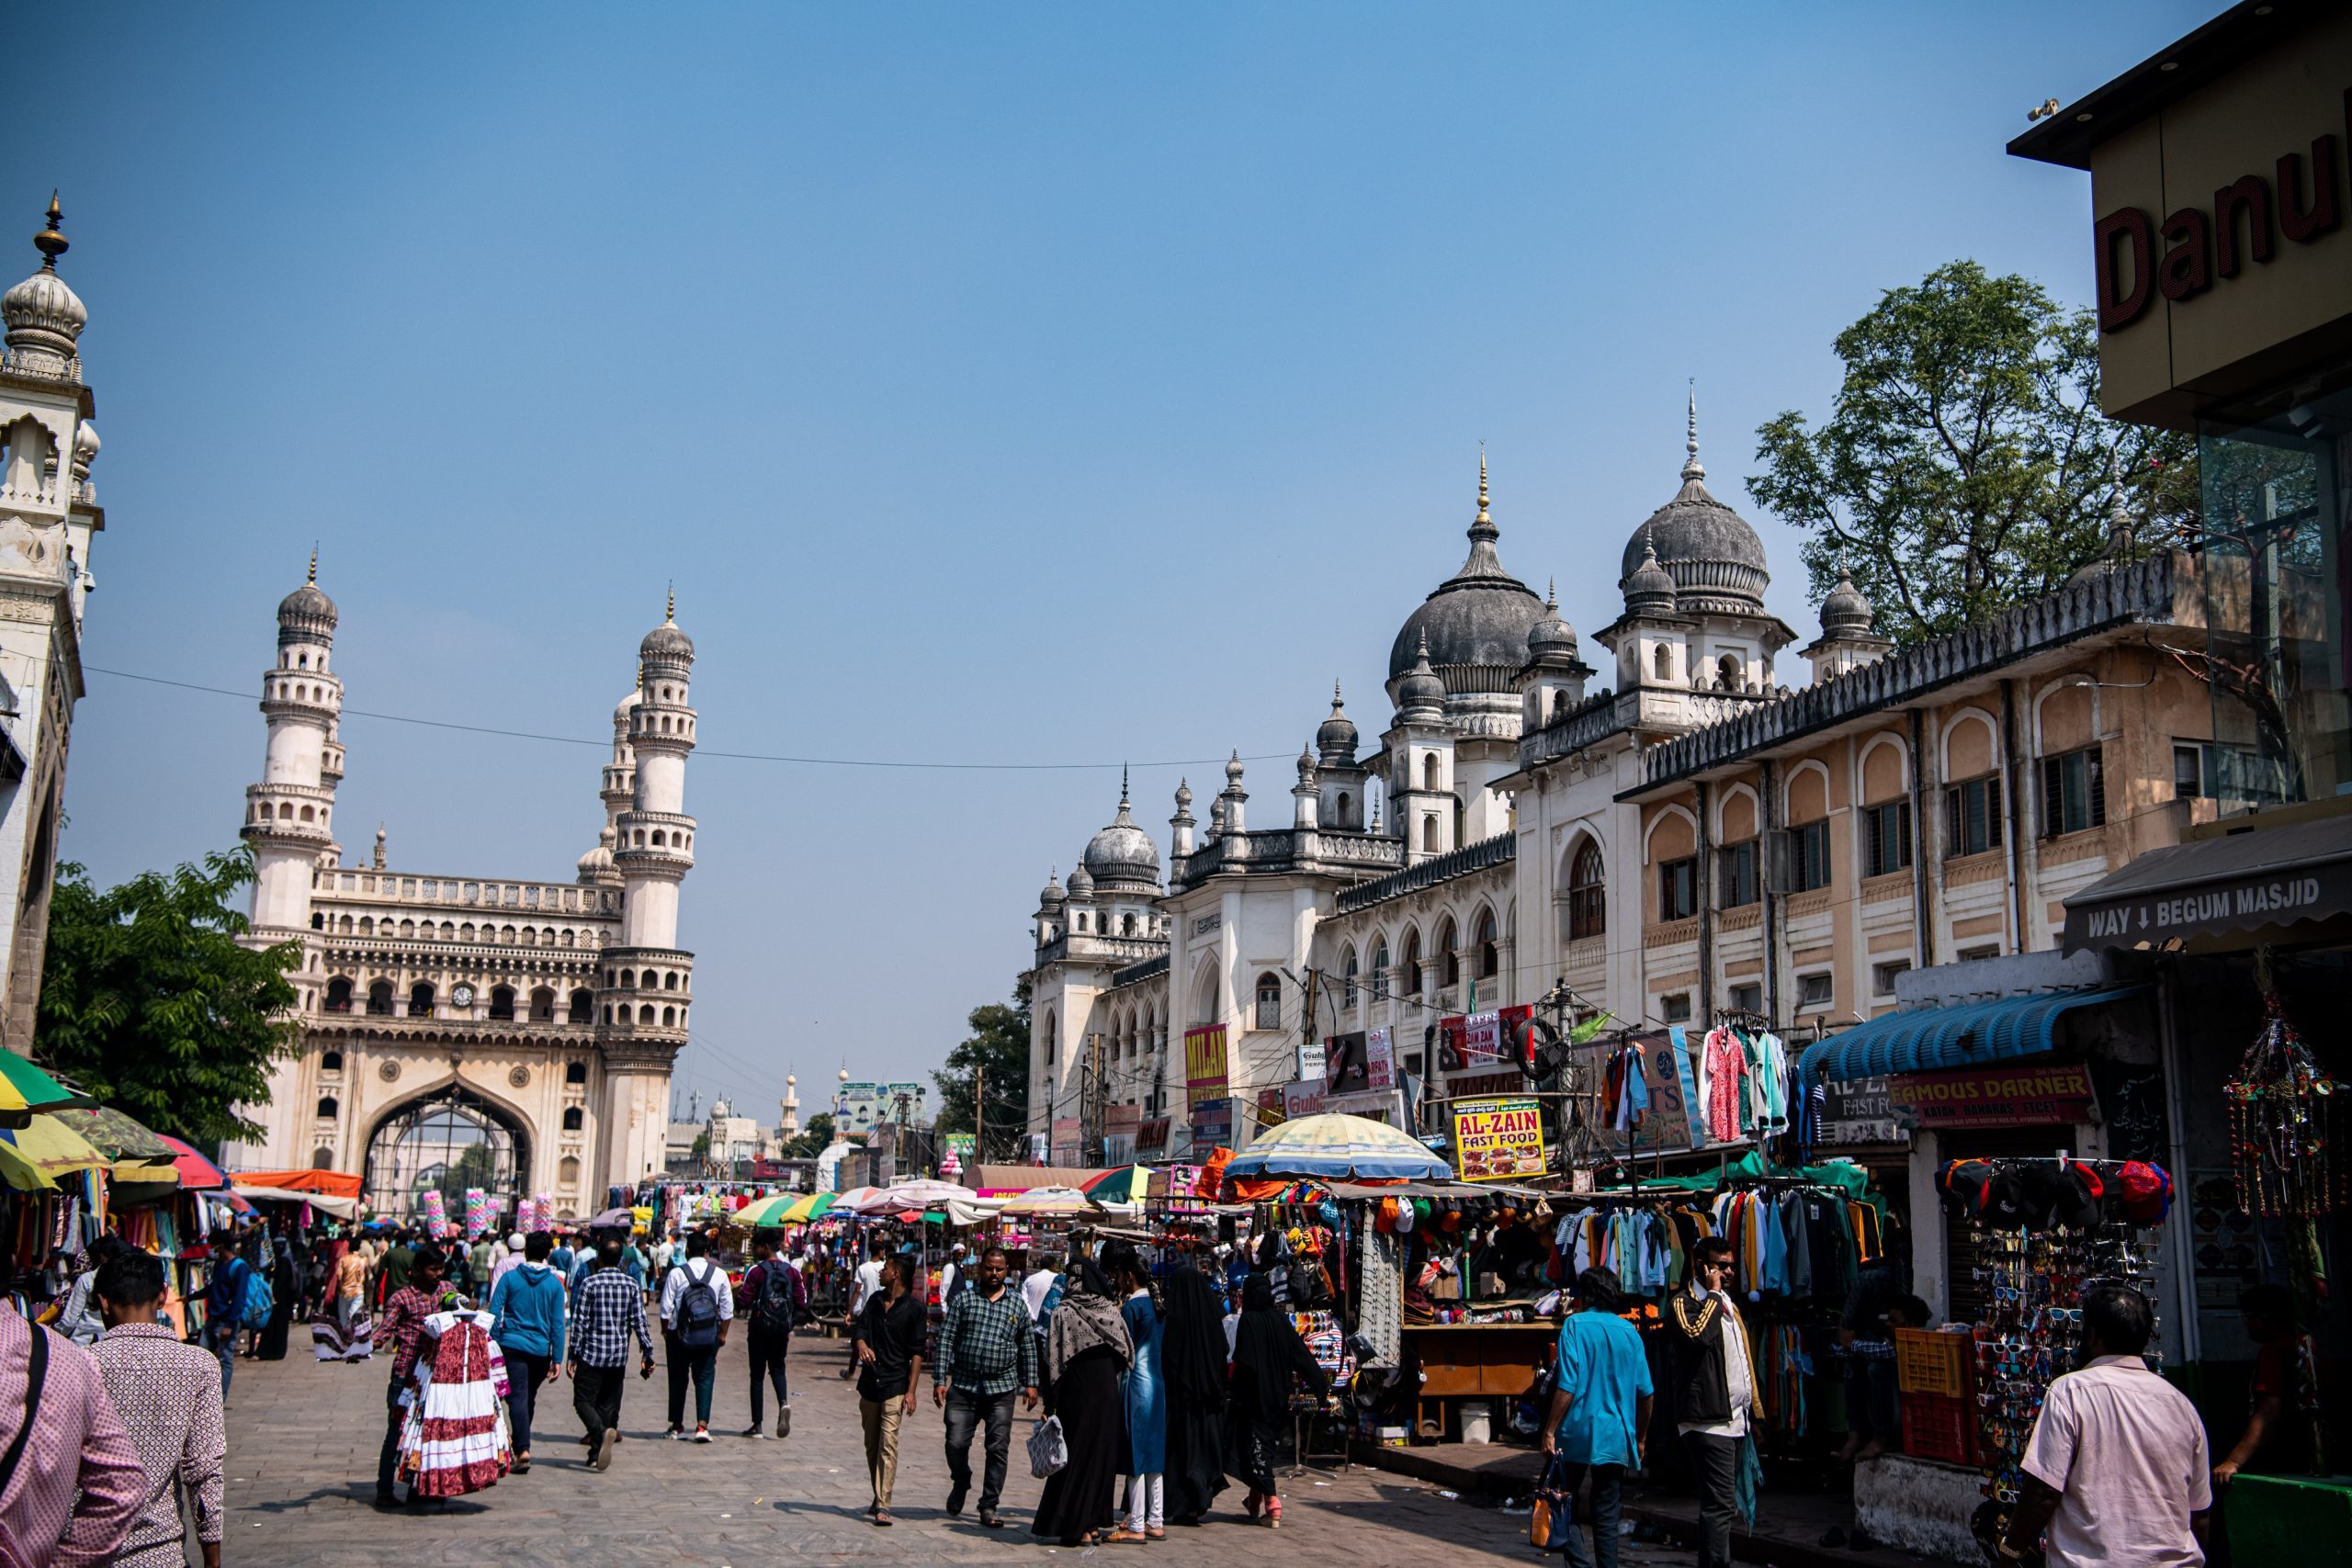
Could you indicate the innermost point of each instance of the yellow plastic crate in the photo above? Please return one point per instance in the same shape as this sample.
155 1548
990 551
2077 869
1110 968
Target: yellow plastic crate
1928 1362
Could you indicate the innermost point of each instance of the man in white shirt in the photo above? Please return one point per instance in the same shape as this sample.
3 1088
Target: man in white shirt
1715 1389
2117 1470
1037 1285
696 1305
948 1274
867 1280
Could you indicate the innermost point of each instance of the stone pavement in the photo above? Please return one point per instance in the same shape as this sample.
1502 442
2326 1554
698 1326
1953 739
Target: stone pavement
304 1438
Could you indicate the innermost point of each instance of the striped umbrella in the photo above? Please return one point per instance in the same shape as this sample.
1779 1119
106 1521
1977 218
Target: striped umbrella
1120 1184
764 1212
1340 1148
809 1207
1047 1201
24 1087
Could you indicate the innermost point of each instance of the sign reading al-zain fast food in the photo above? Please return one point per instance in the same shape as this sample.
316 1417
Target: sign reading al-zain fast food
1498 1140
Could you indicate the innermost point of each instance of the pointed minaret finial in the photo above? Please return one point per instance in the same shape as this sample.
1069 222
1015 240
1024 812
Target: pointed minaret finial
670 611
1691 468
314 578
50 241
1482 526
1552 594
1123 783
1335 696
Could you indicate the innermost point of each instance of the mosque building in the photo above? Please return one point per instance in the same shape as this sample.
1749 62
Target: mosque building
458 1031
1701 833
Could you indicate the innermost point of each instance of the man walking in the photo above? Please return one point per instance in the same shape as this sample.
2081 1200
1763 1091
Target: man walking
862 1288
697 1307
1601 1414
988 1347
607 1310
403 1322
1716 1391
75 1485
168 1395
773 1297
890 1359
527 1305
224 1302
393 1272
2116 1468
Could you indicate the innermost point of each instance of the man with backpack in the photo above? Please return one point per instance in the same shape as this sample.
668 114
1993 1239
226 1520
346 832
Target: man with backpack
773 1298
225 1301
696 1305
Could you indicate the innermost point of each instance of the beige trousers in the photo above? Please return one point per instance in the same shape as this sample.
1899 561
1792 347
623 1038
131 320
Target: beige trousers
880 1418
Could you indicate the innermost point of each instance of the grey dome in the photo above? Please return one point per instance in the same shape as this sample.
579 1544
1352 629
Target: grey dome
1122 854
1846 612
1711 552
1082 886
1551 637
1649 588
307 614
1053 897
1474 624
1335 738
667 642
1419 691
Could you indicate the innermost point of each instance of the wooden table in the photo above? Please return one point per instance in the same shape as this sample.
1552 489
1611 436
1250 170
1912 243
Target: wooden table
1474 1361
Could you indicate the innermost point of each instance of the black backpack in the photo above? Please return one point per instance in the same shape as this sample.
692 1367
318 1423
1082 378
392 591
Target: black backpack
698 1308
772 1309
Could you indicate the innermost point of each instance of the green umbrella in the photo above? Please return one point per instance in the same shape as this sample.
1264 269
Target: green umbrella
24 1087
116 1135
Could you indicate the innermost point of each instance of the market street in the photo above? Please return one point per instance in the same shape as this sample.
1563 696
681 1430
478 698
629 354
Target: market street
302 1442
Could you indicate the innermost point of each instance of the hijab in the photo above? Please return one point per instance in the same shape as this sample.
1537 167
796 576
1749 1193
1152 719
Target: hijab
1266 1351
1195 1348
1089 1317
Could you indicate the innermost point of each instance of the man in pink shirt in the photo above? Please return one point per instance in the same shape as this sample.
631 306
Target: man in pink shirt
2117 1470
71 1484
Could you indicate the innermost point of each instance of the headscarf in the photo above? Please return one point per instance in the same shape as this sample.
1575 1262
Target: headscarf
1266 1351
1193 1348
1089 1316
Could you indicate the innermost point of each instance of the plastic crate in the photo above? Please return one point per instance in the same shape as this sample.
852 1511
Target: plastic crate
1928 1362
1941 1427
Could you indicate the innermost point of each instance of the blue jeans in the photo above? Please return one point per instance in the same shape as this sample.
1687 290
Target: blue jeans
221 1338
1601 1513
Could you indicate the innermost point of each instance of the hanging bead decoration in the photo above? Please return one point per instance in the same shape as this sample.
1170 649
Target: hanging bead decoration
2281 1117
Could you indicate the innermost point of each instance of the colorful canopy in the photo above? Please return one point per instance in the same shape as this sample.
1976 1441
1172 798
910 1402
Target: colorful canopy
1342 1147
1040 1200
333 1183
917 1195
783 1209
197 1173
24 1087
852 1202
37 1153
1121 1184
808 1206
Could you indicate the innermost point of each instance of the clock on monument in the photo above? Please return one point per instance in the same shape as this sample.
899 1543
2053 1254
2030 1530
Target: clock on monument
462 994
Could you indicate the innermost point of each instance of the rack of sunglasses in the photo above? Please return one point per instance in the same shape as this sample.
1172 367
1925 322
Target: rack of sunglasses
2033 1282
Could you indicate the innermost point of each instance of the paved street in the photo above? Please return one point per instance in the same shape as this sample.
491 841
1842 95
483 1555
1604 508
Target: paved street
303 1436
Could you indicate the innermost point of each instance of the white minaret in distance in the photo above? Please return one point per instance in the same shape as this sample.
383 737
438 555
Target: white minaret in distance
791 1105
290 815
646 978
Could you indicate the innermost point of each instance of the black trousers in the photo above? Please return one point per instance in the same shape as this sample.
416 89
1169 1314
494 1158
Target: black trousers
1715 1466
965 1414
525 1374
767 1352
394 1415
596 1396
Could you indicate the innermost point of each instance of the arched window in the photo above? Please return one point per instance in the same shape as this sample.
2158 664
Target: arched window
1412 963
1049 1037
1380 971
669 1016
502 1002
408 928
1429 771
1127 925
1348 977
339 994
420 1000
645 1013
575 1072
326 1107
1588 893
318 921
322 1159
543 1005
1490 952
1345 804
629 979
1269 1002
582 1008
568 1171
1429 833
669 979
343 926
380 998
330 1061
366 925
1727 672
572 1117
1662 661
1449 959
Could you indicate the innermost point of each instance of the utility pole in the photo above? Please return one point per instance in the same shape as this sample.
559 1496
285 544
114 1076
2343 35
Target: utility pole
979 1116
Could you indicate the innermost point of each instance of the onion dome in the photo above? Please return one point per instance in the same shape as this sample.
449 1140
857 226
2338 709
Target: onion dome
1335 738
85 448
1082 886
307 614
621 710
1053 897
1233 770
44 317
2122 540
665 643
598 862
1122 855
1183 795
1649 587
1420 694
1474 624
1709 551
1846 612
1306 766
1550 638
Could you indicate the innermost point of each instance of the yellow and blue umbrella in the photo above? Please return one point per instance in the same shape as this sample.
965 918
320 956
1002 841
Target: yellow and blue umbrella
1340 1148
33 1156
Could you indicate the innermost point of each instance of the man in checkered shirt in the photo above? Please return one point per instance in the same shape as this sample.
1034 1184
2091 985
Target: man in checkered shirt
988 1349
608 1308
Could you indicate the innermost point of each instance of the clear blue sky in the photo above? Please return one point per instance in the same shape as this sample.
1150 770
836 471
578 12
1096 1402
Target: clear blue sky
1009 384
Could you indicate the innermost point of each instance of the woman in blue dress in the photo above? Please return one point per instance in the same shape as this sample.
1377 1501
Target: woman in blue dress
1146 1392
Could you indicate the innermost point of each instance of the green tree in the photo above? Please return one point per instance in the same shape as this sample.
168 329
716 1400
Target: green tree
152 1004
1965 466
1000 1044
816 1137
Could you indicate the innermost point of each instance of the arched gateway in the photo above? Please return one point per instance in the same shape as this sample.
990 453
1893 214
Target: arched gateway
447 1141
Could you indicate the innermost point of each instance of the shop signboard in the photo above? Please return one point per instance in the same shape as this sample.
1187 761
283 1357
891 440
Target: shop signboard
1212 1122
1069 1141
961 1146
1270 1113
1345 1069
1304 1097
1152 1135
904 1102
2048 1095
1498 1140
1860 1110
1479 1039
860 1107
1379 1059
1375 1104
1204 1064
1311 1057
1122 1118
1119 1148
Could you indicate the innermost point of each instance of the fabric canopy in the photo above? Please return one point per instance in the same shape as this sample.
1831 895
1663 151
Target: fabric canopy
1962 1036
2250 881
335 1183
197 1173
325 1202
24 1087
117 1136
1339 1146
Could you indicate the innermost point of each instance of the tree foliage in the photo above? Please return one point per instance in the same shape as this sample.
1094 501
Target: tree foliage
151 1003
1965 466
1000 1044
816 1136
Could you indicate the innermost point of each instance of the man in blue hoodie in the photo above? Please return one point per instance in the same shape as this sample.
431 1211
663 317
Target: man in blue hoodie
528 1307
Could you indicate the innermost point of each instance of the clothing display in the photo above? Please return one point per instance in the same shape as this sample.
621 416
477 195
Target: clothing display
455 1440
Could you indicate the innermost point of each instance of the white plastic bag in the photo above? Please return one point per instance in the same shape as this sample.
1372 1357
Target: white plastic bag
1047 1450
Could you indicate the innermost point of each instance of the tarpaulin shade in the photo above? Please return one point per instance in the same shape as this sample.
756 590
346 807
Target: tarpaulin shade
1960 1036
49 1148
117 1136
335 1183
2246 881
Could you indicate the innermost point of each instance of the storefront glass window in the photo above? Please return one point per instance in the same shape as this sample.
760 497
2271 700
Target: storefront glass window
2274 479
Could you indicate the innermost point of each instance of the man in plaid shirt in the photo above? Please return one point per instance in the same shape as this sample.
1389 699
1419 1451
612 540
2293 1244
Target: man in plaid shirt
403 1321
988 1349
608 1308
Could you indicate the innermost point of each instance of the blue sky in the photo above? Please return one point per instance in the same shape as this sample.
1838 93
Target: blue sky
997 384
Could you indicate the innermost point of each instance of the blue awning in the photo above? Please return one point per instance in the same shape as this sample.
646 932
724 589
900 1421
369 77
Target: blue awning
1962 1036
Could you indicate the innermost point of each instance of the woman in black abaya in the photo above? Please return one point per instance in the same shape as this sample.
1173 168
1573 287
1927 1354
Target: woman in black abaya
1086 1350
1267 1353
1194 1363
